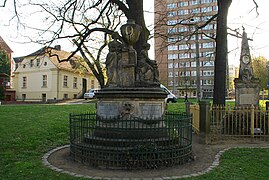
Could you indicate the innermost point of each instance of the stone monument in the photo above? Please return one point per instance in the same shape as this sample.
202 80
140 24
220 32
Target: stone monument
132 89
131 128
246 85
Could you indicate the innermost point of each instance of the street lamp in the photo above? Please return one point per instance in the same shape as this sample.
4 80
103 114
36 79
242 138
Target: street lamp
198 85
267 65
174 88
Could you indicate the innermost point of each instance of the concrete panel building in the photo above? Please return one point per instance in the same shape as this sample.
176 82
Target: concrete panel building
185 45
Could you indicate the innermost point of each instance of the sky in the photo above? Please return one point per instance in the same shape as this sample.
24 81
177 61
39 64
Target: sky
241 13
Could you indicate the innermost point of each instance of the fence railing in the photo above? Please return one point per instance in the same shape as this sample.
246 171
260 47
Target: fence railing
131 143
250 123
228 122
194 110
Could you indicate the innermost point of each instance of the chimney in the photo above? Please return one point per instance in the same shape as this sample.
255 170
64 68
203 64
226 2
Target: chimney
57 47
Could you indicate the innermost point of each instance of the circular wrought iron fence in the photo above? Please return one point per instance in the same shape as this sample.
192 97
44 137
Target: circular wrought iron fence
130 143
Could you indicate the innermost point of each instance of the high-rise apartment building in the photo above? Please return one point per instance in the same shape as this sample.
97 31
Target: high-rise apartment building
185 45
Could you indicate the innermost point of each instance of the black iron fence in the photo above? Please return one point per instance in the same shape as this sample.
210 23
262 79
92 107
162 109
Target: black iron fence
131 143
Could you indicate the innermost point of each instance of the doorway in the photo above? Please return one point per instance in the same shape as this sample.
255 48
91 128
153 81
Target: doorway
44 98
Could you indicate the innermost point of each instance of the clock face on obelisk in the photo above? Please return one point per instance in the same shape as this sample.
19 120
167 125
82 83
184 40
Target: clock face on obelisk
245 59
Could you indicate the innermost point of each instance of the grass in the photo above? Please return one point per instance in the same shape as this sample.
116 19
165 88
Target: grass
241 164
27 132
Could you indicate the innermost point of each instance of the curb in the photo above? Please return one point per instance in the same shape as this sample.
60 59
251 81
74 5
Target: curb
45 161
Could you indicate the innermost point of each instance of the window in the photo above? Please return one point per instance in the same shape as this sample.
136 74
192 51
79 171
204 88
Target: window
171 22
207 9
37 62
172 30
208 45
45 81
183 12
75 82
195 19
31 63
206 18
170 74
208 54
172 39
193 73
65 81
182 29
24 82
171 5
208 63
23 96
193 46
92 84
215 8
65 96
172 47
208 82
172 56
195 11
182 4
193 55
170 65
208 73
182 64
206 1
171 14
193 64
194 2
183 56
182 47
208 27
170 83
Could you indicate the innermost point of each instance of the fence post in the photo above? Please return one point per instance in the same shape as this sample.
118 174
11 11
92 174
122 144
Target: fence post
252 123
204 122
187 104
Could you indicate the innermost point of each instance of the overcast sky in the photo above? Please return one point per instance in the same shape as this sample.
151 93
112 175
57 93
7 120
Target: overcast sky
240 14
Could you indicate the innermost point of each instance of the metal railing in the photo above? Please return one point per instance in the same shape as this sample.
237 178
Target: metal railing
234 123
130 143
250 123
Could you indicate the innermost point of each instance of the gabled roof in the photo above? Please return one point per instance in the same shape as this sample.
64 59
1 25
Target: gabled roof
58 58
4 46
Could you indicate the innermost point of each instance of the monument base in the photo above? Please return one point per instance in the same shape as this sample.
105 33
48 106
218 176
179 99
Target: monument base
247 92
142 103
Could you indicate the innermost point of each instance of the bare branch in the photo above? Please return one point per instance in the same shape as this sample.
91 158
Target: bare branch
4 3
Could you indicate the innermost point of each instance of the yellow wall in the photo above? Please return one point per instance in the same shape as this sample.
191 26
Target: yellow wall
55 88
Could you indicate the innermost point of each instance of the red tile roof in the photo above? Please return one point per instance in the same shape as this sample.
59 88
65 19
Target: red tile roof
4 46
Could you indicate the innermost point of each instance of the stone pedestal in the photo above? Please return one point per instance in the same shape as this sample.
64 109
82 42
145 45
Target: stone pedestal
247 92
142 103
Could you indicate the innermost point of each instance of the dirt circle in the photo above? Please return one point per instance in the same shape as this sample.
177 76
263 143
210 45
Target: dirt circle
206 157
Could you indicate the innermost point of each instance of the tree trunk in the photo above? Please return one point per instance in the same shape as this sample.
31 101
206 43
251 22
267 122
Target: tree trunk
221 53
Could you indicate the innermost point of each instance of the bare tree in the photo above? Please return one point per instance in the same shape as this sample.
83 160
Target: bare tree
87 17
88 24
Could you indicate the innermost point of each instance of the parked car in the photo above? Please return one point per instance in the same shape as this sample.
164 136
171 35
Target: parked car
90 94
170 96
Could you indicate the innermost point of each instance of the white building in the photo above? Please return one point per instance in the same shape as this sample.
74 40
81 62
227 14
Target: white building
41 76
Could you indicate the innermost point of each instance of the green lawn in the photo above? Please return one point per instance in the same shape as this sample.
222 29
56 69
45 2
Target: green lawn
27 132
